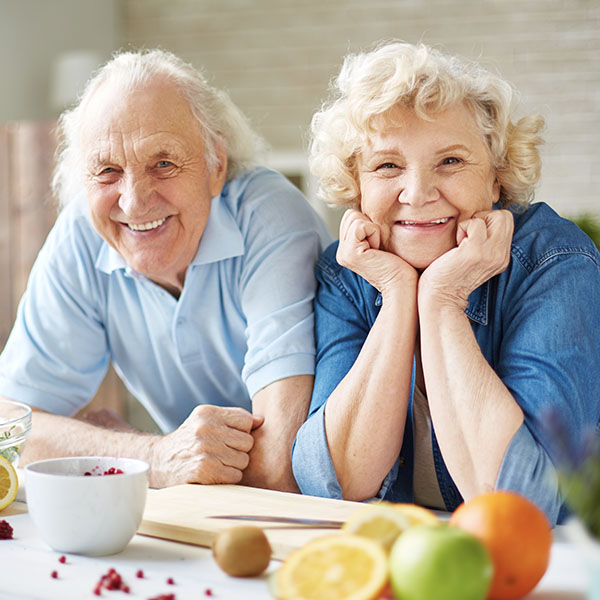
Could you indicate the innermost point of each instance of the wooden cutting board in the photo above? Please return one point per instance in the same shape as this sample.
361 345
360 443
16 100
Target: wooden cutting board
181 513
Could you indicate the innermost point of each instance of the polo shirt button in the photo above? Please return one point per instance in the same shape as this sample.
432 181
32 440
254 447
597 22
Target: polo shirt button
452 493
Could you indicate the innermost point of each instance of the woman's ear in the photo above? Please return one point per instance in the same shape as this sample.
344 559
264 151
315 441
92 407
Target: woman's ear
496 192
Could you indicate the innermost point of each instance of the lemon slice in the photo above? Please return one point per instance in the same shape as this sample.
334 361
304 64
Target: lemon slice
417 515
379 522
9 483
334 567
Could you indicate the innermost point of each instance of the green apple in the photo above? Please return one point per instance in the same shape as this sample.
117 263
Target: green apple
439 562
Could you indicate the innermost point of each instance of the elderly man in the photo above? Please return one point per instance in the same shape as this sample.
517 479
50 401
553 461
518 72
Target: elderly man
188 268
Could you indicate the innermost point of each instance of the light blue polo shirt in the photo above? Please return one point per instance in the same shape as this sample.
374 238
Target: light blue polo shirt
244 318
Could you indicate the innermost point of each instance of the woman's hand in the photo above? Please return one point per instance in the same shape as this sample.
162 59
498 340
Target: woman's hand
360 251
483 250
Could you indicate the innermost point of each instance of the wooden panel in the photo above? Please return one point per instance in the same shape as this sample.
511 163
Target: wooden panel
27 213
33 212
6 303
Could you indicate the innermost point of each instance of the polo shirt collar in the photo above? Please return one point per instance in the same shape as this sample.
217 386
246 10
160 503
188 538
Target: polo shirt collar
220 240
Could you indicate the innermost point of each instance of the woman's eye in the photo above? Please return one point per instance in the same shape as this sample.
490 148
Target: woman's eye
451 160
387 165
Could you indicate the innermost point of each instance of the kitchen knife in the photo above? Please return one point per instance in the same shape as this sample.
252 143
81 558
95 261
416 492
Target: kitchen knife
316 523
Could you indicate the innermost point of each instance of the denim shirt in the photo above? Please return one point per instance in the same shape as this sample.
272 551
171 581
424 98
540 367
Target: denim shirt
537 324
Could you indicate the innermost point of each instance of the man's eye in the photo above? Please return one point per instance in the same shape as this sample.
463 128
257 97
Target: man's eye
107 174
163 164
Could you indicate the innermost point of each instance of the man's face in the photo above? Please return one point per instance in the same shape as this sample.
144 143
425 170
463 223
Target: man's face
148 184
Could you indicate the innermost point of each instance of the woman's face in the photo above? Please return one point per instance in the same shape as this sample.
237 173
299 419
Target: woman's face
420 179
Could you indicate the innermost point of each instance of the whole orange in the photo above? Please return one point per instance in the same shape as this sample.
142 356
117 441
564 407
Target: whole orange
517 534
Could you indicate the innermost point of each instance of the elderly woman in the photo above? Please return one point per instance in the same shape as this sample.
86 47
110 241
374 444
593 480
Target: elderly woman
452 313
187 266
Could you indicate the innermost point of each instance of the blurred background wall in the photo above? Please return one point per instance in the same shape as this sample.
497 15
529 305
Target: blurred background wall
35 35
276 58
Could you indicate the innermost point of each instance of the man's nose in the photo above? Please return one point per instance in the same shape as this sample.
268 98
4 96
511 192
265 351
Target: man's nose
136 194
418 188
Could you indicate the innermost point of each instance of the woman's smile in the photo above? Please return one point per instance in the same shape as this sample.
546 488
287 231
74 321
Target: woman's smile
423 225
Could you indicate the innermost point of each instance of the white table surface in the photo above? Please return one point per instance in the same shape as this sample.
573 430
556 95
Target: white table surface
26 564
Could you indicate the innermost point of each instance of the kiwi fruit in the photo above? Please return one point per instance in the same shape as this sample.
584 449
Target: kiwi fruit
242 551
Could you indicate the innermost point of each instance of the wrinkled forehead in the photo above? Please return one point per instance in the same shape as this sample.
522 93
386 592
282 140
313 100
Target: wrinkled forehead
157 112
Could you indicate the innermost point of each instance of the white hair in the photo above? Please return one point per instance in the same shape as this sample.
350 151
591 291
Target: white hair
221 121
396 73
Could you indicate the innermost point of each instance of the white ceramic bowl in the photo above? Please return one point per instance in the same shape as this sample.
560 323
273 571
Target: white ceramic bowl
94 515
15 425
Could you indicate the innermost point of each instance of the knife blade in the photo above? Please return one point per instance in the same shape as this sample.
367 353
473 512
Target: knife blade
316 523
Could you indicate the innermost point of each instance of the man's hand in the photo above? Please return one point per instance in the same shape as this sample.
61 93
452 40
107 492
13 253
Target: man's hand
483 250
360 251
210 446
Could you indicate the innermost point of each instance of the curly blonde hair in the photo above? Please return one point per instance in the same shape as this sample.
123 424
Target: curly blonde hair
428 81
221 121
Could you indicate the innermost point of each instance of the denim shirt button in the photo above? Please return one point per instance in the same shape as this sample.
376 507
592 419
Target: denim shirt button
452 493
401 461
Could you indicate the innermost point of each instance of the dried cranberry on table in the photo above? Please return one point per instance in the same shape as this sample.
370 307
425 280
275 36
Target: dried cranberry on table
54 574
111 581
164 597
6 531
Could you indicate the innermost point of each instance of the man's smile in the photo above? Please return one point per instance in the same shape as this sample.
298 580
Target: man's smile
146 226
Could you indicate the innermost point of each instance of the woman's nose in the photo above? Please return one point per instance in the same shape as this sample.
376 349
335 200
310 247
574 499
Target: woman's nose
418 188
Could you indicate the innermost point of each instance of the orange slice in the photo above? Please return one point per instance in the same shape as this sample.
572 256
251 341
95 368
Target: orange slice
334 567
417 515
379 522
9 483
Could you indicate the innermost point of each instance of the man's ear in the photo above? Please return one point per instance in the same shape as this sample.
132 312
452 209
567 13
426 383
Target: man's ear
219 173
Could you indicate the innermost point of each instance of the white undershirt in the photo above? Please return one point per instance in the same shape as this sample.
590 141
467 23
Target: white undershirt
426 489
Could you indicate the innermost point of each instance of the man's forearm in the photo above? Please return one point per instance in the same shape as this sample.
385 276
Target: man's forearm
53 436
